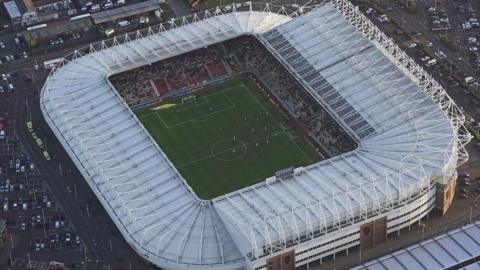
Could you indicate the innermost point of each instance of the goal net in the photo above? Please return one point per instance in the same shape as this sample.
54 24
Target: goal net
189 98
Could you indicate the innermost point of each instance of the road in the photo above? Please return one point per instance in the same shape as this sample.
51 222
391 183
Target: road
180 7
85 212
105 246
415 25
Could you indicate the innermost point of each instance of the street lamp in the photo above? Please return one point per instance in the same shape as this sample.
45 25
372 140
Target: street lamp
471 213
423 230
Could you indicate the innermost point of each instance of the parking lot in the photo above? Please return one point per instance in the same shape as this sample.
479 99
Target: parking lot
51 212
39 217
13 47
47 201
436 34
26 202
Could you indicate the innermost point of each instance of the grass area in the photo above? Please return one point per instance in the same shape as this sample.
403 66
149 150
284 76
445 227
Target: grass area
229 137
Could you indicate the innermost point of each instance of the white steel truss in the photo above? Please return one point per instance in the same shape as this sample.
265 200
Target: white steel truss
408 129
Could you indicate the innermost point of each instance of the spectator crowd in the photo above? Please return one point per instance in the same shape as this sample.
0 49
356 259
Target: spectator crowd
244 54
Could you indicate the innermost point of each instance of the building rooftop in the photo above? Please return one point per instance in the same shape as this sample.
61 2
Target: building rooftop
405 138
124 11
39 3
14 10
58 27
454 250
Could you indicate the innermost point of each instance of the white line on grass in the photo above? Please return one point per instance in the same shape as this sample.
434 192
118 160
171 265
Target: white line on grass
204 101
206 116
229 149
284 131
278 124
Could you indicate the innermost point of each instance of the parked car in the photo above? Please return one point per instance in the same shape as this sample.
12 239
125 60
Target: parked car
107 5
426 58
466 184
382 18
431 62
95 8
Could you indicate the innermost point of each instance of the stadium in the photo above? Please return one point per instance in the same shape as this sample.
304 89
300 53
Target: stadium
257 139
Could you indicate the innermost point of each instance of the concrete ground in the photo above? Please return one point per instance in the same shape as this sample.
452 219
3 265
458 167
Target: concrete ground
180 7
462 211
6 251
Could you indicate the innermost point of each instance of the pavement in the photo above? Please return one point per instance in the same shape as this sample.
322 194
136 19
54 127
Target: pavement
104 245
11 243
413 23
462 211
180 7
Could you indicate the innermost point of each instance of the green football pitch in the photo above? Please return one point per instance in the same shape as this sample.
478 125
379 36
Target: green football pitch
226 138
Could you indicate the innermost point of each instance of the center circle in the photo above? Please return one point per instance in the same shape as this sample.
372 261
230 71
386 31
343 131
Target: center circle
228 149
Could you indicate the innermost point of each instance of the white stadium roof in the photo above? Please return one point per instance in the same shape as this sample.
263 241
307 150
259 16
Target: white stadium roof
457 248
406 126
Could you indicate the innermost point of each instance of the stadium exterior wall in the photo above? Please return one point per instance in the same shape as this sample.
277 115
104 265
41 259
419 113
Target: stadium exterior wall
159 261
341 239
418 75
167 264
349 236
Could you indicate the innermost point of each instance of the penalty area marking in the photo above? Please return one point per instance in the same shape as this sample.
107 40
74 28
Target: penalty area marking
203 117
186 107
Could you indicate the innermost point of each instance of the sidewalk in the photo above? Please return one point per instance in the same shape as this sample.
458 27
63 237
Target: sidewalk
6 251
457 216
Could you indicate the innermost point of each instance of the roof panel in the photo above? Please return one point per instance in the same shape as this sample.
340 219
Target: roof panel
158 213
434 254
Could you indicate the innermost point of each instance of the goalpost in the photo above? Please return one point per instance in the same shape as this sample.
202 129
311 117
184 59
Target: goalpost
188 98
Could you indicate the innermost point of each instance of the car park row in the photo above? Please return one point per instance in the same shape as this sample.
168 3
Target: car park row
26 203
465 186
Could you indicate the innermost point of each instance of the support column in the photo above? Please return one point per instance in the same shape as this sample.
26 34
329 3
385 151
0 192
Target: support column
445 195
